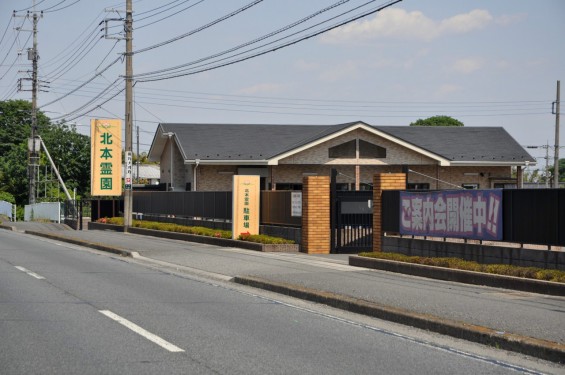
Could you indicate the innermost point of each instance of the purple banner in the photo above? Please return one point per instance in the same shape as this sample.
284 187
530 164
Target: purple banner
472 214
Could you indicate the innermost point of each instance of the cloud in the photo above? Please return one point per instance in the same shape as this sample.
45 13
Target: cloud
510 19
348 70
262 88
400 24
306 65
467 66
448 89
464 23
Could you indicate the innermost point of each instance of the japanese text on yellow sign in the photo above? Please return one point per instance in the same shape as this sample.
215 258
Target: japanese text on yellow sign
245 205
106 157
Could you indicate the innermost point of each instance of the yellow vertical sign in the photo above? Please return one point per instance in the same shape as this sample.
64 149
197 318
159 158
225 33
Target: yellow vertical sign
246 190
105 157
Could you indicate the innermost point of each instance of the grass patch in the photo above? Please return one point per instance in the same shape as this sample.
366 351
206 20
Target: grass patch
200 231
460 264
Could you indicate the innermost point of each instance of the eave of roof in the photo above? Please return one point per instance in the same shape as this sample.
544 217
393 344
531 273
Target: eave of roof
256 144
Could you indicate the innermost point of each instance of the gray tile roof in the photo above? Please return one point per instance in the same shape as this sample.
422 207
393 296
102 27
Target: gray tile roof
488 144
259 142
243 141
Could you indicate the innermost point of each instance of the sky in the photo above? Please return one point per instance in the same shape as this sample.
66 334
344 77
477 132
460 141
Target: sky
485 63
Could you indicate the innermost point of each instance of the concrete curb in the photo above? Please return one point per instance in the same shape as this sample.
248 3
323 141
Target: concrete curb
461 276
93 245
223 242
538 348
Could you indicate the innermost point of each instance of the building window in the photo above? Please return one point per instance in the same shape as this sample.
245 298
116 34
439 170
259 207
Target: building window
343 151
288 186
417 186
368 150
470 186
347 150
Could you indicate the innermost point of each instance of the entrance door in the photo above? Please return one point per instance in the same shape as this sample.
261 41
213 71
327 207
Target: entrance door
352 220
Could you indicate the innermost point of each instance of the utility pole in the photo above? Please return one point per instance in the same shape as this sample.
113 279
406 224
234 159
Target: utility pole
547 165
129 108
33 142
556 152
137 178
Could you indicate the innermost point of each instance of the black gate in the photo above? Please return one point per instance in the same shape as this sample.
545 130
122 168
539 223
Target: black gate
351 220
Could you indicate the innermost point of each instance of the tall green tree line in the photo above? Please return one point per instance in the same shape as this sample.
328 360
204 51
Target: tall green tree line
69 149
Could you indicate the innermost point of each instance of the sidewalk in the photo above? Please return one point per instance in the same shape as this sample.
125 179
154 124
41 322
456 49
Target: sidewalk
524 322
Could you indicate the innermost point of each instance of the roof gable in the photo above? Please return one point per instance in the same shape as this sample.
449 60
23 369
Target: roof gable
267 144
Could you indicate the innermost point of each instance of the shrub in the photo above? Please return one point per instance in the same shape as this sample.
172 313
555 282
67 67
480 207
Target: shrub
264 239
200 231
457 263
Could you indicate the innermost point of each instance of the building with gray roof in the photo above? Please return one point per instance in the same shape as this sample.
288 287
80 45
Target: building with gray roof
206 156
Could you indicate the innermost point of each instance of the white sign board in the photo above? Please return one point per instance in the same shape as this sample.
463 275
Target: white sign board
129 164
296 204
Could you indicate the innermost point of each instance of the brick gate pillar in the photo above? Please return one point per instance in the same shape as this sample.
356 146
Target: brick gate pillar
383 181
316 215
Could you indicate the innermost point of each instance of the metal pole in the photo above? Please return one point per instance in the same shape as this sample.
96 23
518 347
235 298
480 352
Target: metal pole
556 152
33 149
55 168
137 177
171 146
128 109
547 166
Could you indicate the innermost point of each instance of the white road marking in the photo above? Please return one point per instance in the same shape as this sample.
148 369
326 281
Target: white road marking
39 277
142 332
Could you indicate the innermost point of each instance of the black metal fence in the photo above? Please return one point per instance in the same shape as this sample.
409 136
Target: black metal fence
534 216
276 206
352 221
100 208
276 209
531 216
209 205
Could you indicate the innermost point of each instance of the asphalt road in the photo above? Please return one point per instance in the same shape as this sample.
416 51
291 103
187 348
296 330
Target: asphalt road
527 314
66 311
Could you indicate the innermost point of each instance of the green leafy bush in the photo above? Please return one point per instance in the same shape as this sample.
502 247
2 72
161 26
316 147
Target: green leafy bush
460 264
200 231
264 239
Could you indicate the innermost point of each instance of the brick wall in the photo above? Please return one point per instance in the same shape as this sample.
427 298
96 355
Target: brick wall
316 215
381 181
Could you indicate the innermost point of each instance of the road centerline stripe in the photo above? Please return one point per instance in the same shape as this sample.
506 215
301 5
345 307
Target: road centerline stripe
39 277
142 332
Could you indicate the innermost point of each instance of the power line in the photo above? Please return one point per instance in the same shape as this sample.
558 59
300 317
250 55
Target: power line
108 88
18 30
62 54
56 10
21 10
53 6
6 30
72 61
84 83
201 28
159 75
331 102
169 16
162 6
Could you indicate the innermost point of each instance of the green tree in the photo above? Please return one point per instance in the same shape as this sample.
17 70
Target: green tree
14 173
70 150
7 197
437 121
15 124
561 171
